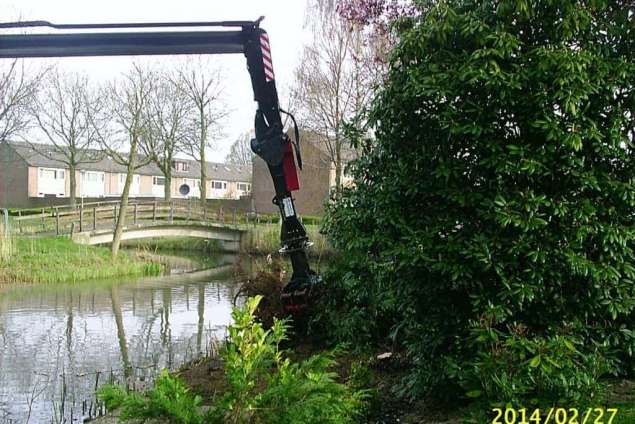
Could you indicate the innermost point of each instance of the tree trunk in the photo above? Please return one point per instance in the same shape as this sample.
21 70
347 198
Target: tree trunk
203 142
203 184
167 188
338 178
338 167
73 185
116 240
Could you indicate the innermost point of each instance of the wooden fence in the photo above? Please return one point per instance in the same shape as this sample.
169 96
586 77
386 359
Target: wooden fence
61 220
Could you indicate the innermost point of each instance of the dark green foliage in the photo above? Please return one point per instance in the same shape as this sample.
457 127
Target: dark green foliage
497 194
529 370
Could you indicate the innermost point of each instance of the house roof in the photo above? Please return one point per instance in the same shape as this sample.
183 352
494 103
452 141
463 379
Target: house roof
47 155
306 136
220 171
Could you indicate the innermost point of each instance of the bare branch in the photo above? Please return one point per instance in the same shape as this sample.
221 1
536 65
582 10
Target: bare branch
333 83
18 88
62 113
203 86
168 113
128 101
240 152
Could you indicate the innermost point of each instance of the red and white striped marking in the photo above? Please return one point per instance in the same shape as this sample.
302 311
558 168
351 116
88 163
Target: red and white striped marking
266 57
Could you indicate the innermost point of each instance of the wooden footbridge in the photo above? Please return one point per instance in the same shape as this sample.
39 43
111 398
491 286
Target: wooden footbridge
94 223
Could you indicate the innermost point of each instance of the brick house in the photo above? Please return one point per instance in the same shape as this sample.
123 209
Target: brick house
317 178
34 177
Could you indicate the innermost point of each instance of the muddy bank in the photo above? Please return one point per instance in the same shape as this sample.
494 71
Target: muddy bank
380 372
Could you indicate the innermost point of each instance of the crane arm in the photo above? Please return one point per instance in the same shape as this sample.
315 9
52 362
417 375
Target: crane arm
271 142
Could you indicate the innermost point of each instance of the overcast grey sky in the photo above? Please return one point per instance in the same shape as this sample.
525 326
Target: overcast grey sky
284 21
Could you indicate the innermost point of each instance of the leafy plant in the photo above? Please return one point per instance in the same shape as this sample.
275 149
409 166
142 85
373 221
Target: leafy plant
513 368
169 399
263 386
498 189
267 387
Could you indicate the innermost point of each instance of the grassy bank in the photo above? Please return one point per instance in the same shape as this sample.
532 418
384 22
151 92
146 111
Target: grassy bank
181 244
265 239
57 259
173 251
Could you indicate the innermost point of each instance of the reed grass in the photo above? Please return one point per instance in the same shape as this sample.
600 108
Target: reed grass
7 245
59 260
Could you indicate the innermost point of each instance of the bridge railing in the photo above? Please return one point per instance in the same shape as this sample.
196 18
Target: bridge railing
66 219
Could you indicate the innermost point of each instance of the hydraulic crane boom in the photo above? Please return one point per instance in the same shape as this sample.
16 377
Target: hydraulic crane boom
271 142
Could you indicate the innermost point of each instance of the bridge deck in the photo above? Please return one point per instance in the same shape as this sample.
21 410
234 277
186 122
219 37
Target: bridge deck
228 237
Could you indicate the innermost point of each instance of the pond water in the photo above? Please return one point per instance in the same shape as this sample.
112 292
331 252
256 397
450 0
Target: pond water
57 342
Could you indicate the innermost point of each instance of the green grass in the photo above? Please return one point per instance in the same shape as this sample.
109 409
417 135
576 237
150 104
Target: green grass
187 244
27 211
204 252
622 397
265 239
7 245
58 259
274 218
625 413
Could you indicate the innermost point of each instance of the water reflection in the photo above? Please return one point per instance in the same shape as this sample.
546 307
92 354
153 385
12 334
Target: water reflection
58 342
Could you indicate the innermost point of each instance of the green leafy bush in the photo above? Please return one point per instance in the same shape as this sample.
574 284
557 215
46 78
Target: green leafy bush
515 368
266 387
500 178
263 386
169 399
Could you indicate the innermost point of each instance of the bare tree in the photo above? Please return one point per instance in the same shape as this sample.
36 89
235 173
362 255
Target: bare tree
62 113
202 84
128 100
333 84
240 152
17 90
169 109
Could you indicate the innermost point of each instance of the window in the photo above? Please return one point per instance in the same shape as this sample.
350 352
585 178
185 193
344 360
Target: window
219 185
93 176
52 174
180 166
244 186
136 180
47 173
158 181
